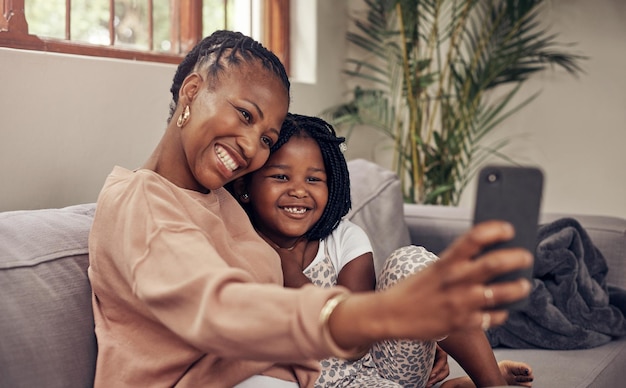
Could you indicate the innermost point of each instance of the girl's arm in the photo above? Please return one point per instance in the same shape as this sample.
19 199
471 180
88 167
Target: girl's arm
358 275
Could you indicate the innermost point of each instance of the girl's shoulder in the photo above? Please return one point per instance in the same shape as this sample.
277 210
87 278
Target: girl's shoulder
346 229
347 242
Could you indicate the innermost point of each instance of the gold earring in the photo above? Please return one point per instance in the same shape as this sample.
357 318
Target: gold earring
183 118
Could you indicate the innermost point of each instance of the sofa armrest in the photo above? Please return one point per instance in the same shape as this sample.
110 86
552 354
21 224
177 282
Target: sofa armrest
435 227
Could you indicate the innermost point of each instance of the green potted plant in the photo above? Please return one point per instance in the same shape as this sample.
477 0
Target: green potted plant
439 75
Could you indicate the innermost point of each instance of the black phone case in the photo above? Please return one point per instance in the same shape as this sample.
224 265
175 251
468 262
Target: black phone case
512 194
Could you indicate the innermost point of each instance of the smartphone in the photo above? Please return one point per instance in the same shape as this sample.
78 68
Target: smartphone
512 194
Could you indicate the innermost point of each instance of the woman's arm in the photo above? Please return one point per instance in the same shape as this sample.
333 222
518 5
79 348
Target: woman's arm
447 296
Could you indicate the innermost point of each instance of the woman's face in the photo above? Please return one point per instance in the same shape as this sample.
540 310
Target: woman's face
232 125
289 193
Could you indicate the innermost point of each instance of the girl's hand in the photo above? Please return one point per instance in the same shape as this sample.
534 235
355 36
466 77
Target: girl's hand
441 368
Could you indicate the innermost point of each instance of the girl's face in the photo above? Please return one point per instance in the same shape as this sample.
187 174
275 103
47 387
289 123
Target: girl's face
289 193
232 125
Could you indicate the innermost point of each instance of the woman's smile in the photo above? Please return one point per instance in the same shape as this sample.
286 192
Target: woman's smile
226 159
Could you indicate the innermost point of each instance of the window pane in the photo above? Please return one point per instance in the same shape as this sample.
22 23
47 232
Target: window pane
213 14
162 25
131 24
46 18
239 16
90 21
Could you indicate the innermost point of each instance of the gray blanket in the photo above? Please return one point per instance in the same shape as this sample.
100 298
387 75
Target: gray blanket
570 306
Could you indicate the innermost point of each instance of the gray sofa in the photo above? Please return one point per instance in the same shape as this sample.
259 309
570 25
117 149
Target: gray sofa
46 324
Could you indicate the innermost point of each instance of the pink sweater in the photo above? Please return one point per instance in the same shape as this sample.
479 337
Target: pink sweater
186 294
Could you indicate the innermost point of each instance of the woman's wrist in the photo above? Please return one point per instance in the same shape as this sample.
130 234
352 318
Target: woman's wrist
346 322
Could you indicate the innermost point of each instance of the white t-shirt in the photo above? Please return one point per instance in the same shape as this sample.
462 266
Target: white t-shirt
347 242
260 381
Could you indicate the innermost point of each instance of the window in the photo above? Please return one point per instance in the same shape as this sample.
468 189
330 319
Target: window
149 30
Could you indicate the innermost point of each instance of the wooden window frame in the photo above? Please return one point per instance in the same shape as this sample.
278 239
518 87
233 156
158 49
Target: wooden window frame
186 32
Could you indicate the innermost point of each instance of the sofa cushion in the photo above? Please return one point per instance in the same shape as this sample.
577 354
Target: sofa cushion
46 321
377 207
596 367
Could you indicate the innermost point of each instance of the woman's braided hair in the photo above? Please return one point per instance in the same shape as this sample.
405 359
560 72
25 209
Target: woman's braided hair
338 178
225 48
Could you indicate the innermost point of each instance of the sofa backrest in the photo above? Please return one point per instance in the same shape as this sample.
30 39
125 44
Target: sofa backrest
377 207
434 227
46 323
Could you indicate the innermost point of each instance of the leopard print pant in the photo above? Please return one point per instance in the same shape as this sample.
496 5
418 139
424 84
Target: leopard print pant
389 364
406 362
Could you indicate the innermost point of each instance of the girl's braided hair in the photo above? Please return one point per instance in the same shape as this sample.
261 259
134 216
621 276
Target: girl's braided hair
225 48
338 178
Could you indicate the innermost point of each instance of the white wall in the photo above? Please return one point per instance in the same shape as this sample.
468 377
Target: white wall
312 98
576 129
66 120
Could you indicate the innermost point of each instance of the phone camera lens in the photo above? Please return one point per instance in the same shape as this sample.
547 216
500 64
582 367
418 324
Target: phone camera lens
492 177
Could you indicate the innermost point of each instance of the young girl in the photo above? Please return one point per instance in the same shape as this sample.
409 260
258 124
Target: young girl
185 292
296 202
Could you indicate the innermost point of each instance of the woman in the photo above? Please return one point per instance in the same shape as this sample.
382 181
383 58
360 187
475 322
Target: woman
185 293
